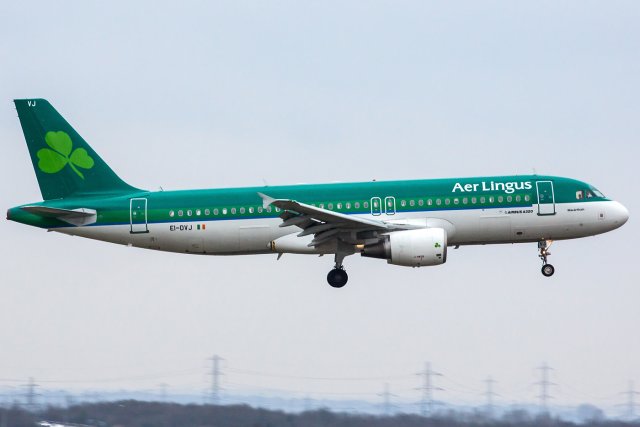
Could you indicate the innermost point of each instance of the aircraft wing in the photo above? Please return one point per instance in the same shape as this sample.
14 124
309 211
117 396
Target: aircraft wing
324 224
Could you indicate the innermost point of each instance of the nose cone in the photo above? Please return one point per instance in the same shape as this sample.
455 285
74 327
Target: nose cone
618 214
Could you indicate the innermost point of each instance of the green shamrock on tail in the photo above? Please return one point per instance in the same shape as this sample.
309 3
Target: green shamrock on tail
55 159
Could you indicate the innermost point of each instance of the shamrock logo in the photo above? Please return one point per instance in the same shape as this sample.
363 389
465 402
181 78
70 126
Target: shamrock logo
61 153
437 245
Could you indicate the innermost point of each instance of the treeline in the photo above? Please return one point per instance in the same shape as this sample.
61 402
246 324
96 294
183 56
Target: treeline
132 413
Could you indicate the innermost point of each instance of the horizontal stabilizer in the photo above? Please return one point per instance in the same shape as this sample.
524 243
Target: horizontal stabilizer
80 216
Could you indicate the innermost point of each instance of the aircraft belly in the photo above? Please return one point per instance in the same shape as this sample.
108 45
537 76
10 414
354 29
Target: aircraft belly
212 237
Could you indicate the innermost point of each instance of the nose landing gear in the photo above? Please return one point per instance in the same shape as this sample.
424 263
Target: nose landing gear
547 269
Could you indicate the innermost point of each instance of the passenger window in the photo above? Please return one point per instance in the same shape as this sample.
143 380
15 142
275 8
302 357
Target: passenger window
348 205
500 199
456 201
482 199
207 211
233 211
527 198
403 203
429 202
412 202
447 201
189 212
518 198
215 211
357 205
171 213
321 205
365 204
491 199
420 202
269 209
198 212
180 213
339 206
241 210
474 200
438 202
330 206
250 210
259 209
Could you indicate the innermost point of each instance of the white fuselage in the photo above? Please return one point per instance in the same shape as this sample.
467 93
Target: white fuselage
464 227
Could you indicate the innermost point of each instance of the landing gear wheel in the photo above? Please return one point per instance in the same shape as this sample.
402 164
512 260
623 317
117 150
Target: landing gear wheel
337 277
548 270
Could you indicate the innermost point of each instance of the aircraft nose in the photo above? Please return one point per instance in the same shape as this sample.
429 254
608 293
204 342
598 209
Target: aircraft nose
619 214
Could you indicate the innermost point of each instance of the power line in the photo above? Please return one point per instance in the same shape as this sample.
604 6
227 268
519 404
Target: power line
215 379
162 388
489 394
545 385
316 378
631 403
386 400
31 395
427 402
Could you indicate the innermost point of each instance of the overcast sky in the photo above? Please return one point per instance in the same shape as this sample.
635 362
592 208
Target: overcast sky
212 94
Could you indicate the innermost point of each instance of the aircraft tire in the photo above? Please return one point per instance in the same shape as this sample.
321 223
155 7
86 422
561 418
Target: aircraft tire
337 278
548 270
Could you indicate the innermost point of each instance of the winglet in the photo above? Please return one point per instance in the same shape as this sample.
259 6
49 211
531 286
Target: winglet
266 200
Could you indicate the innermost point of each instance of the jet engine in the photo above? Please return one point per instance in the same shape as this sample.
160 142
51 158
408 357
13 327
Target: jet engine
411 248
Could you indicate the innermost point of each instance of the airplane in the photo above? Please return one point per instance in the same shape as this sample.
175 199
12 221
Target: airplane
407 223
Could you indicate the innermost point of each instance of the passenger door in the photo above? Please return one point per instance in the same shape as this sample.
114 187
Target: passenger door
546 198
138 215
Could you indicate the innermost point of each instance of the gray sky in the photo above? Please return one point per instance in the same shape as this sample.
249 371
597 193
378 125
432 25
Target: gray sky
213 94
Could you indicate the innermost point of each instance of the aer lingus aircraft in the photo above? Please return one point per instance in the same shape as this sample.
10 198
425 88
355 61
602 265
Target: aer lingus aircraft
407 223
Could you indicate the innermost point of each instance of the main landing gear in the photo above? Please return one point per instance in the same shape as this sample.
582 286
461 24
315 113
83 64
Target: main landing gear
547 269
337 277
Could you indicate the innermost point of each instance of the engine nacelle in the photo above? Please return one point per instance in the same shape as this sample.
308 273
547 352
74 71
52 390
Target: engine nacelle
411 248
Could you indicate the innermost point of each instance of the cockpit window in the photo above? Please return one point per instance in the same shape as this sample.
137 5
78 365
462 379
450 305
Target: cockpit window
597 193
579 194
589 194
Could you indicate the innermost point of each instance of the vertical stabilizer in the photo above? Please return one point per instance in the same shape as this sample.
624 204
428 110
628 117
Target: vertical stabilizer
64 163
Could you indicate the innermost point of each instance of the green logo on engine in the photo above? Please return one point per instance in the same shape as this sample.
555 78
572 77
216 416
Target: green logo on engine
437 245
61 153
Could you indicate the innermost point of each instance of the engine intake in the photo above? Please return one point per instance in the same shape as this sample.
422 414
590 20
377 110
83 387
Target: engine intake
411 248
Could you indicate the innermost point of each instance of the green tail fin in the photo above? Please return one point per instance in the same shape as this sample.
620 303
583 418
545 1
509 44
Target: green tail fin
65 164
